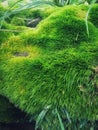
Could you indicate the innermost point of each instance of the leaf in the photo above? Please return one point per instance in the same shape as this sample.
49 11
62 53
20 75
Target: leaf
83 124
67 114
86 18
60 120
41 117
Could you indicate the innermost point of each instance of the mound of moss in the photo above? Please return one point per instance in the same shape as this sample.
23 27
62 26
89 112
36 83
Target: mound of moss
65 27
14 23
54 65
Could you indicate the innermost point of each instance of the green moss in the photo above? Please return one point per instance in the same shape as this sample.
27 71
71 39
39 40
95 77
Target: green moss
59 68
9 30
15 48
48 11
4 35
55 80
66 26
32 14
18 21
94 15
84 7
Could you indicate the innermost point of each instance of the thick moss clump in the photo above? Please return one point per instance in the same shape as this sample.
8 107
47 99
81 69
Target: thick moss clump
65 27
53 80
53 65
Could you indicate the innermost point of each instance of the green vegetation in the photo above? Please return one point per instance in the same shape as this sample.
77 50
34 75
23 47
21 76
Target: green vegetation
94 15
52 70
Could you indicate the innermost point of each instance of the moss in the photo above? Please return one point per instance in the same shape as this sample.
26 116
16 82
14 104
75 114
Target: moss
48 11
15 48
84 7
58 68
23 17
9 30
94 15
32 14
66 26
4 35
55 77
18 21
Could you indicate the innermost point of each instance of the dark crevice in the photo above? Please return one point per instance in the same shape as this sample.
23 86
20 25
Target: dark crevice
12 118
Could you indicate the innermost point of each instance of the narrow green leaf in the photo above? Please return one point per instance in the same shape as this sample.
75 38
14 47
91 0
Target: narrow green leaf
41 117
60 120
67 114
86 18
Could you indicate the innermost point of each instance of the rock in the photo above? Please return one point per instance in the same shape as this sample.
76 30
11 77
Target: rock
33 23
9 113
22 54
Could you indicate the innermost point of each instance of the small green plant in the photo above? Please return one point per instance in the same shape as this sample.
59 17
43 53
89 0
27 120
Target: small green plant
59 119
54 114
86 18
41 117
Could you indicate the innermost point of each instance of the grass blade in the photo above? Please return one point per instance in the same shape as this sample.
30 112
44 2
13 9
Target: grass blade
60 120
67 114
86 18
41 117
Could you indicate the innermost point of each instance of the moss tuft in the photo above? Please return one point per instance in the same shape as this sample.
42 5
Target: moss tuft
18 21
94 15
15 48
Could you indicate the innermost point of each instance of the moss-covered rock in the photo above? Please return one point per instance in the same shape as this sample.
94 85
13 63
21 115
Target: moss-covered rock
64 27
21 18
53 65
